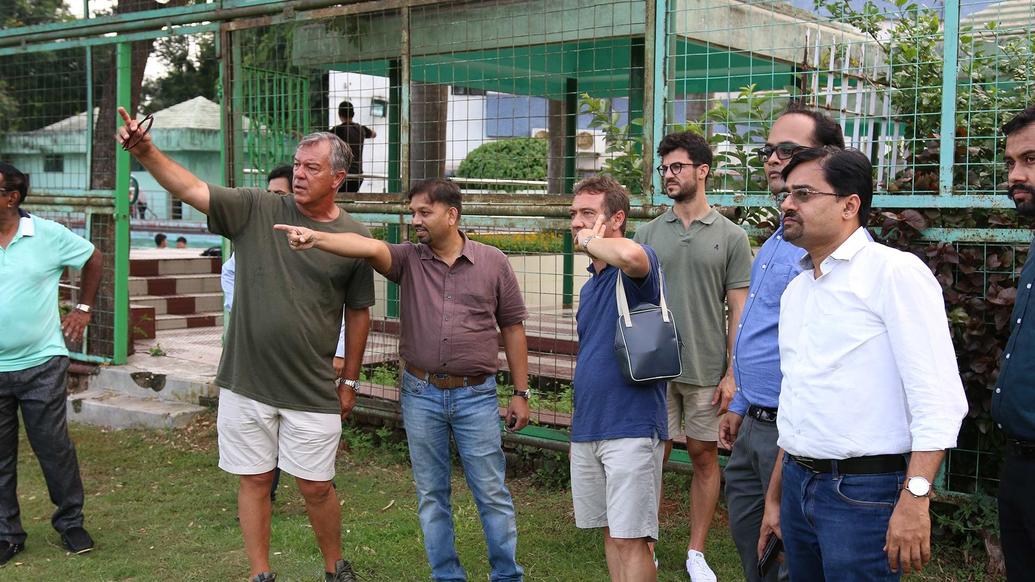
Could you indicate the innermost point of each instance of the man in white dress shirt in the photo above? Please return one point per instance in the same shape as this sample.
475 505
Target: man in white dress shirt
871 394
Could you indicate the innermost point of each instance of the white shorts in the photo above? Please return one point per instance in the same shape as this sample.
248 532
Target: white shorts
255 437
617 484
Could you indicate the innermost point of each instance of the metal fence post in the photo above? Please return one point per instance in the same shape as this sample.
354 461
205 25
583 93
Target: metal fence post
123 94
950 72
656 49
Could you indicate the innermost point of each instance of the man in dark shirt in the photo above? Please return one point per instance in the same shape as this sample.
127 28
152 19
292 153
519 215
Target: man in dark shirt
276 410
453 294
353 134
1013 403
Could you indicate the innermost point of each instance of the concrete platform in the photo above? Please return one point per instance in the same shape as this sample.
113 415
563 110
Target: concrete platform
115 410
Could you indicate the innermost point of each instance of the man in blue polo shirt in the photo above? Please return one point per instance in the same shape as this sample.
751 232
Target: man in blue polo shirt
34 360
749 428
618 429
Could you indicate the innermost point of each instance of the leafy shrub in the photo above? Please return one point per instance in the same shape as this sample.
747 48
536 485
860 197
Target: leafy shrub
520 158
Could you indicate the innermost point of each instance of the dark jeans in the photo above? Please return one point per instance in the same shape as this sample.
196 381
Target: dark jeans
40 393
1017 516
747 479
834 526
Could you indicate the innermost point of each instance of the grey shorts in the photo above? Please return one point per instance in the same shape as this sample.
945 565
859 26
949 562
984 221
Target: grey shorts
617 484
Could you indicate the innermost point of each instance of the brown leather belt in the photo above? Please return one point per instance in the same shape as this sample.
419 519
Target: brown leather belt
446 381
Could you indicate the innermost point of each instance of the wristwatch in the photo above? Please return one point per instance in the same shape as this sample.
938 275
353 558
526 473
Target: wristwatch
83 307
342 381
585 240
526 394
918 486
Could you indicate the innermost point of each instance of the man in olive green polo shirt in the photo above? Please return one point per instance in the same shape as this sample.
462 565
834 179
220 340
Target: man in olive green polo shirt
706 260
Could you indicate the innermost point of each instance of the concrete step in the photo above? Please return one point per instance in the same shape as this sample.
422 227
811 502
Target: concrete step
205 319
182 304
115 410
174 285
166 379
165 267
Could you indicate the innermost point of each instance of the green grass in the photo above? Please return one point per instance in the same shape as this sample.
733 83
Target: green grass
160 509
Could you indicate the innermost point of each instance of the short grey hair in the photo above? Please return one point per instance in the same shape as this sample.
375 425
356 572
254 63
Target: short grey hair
341 153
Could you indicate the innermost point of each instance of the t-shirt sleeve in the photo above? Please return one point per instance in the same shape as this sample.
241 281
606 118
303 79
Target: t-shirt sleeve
73 250
367 132
738 259
229 209
646 289
360 292
510 305
400 254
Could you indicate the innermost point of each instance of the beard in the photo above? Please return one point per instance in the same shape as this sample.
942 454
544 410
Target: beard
1025 208
687 191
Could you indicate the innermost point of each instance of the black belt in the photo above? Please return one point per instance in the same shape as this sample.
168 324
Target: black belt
854 466
762 414
1020 448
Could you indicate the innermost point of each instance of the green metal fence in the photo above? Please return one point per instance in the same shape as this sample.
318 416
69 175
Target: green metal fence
518 99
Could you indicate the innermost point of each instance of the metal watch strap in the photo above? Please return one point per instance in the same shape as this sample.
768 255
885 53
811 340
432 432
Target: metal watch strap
526 394
83 307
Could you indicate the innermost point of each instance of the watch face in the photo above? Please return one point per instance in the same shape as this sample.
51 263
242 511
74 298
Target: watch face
918 486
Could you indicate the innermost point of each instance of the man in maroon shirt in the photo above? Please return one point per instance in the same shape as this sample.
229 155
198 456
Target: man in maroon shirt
454 292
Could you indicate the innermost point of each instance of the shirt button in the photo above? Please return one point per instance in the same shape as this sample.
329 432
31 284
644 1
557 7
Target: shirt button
997 390
752 295
779 237
449 296
1018 320
763 266
999 425
445 339
1007 356
447 318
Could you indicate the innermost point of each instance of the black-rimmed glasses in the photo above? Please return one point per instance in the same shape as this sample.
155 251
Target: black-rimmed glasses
676 168
802 195
784 150
143 128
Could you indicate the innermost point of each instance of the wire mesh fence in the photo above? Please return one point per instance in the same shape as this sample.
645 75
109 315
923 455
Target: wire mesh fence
518 100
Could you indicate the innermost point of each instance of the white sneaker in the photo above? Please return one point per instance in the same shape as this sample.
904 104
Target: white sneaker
698 568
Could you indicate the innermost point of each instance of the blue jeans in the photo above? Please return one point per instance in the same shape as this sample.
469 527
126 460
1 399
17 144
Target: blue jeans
834 526
471 416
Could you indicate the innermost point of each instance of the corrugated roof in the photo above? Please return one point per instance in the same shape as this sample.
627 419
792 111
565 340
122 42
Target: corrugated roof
196 113
1015 16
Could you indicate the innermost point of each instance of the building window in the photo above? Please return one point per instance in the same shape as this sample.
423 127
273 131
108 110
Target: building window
378 107
467 91
53 163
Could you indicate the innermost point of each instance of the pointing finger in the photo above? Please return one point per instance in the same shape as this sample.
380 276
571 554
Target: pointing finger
284 227
598 227
125 116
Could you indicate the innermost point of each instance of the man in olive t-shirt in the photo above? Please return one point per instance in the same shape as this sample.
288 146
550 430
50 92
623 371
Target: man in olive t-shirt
706 260
278 402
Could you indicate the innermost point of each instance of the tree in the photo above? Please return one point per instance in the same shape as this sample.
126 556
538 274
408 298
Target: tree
188 75
29 81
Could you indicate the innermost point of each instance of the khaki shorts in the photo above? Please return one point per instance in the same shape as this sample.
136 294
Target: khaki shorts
255 437
691 413
617 484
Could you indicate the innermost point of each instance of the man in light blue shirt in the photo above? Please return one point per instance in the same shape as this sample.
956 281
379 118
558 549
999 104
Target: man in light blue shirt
749 428
34 360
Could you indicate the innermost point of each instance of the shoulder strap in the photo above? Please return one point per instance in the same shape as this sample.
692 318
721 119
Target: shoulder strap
623 303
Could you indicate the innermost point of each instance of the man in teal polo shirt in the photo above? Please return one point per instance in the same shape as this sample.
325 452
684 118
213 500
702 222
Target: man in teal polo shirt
34 360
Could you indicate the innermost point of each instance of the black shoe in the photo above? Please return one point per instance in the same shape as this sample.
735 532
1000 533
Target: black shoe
8 550
342 573
76 540
264 577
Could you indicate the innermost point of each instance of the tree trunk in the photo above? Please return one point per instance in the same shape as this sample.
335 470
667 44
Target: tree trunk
429 106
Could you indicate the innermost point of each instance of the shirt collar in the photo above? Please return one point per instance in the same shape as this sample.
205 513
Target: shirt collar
426 254
710 217
845 252
26 227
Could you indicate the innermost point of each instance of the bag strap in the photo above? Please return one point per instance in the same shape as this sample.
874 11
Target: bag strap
623 303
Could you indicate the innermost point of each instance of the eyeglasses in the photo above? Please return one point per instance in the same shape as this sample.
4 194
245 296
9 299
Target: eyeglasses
143 128
802 195
784 150
676 168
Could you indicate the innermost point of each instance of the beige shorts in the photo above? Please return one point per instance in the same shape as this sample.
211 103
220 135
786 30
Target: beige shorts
255 437
617 484
691 412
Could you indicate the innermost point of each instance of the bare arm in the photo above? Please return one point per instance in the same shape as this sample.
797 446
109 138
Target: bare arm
909 531
172 176
617 251
735 299
357 327
345 244
76 321
515 345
